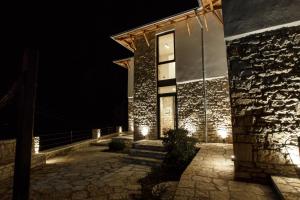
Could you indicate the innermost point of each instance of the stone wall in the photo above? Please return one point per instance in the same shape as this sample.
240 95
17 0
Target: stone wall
190 105
218 109
7 151
145 87
130 115
264 72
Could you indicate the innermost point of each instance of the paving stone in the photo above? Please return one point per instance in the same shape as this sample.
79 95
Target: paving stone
85 174
210 176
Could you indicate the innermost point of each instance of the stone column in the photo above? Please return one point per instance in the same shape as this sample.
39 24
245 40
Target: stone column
264 73
145 88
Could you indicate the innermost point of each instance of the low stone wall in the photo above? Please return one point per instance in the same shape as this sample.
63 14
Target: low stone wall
190 103
7 170
7 151
63 150
264 71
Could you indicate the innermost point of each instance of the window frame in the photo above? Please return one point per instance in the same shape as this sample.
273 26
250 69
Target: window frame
165 82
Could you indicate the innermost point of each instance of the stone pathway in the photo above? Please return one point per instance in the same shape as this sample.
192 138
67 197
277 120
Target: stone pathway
289 188
84 174
210 177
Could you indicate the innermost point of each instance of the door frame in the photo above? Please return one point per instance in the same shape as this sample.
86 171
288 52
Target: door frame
159 134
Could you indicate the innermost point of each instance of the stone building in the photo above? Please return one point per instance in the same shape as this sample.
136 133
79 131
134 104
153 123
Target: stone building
263 49
178 78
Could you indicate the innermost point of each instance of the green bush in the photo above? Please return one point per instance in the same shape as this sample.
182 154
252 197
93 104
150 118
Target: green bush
180 149
116 145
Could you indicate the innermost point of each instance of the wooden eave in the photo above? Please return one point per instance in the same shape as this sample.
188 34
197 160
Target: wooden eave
123 62
126 38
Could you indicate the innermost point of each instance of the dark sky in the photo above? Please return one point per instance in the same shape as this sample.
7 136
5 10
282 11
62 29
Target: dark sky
78 85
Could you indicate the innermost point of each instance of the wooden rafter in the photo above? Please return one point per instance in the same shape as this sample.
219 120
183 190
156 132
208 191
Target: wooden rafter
205 22
207 6
123 63
132 42
218 17
146 39
188 27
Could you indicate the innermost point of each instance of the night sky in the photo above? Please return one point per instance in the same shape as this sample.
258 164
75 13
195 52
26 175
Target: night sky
78 86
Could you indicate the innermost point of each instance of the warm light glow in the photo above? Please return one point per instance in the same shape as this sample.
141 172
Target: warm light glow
145 130
222 132
36 144
293 152
98 133
232 157
167 46
120 129
190 128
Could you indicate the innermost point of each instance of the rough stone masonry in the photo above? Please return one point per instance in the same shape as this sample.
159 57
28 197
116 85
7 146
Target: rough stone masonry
264 74
190 103
145 87
189 99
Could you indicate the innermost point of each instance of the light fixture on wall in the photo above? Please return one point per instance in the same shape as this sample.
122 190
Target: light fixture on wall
293 152
98 133
232 157
36 143
190 128
222 132
145 130
120 129
167 46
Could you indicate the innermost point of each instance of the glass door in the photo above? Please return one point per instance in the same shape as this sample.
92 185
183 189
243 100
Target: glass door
167 114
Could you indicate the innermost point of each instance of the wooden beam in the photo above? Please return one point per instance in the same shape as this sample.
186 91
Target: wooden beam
127 64
188 27
199 20
132 43
218 17
25 128
205 22
146 39
211 5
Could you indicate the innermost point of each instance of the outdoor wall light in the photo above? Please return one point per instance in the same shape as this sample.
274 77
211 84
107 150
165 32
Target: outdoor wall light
190 128
98 133
293 152
120 129
145 130
36 143
232 157
222 132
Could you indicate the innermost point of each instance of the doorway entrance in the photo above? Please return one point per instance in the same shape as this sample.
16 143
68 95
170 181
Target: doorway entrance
167 114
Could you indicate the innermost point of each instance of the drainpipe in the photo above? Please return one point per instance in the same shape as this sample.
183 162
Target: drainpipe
204 85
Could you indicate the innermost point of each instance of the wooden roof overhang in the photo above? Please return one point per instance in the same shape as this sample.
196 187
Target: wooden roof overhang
126 38
125 63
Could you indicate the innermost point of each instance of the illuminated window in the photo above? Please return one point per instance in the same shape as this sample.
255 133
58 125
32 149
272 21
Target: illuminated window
166 71
167 89
166 47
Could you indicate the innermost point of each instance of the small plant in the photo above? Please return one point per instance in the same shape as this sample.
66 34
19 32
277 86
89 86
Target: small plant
180 149
116 145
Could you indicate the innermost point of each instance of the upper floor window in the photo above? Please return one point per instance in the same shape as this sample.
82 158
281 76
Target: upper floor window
166 56
166 47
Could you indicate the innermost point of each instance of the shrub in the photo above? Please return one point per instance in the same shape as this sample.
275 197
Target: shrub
116 145
180 149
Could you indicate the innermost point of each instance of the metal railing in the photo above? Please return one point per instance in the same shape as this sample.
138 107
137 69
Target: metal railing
54 139
51 139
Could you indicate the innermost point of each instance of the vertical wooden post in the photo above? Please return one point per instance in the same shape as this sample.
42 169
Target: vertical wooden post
27 96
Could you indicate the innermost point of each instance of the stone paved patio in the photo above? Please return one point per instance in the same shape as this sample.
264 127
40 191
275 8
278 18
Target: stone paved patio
210 177
85 174
289 188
